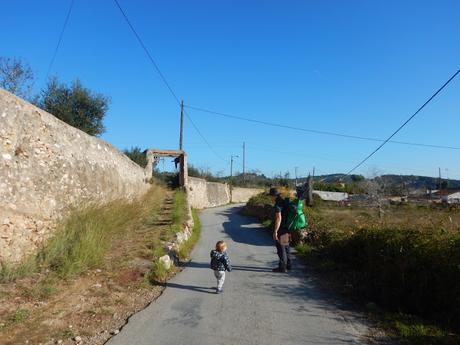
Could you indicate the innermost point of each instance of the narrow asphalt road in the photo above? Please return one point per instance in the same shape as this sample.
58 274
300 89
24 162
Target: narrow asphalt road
257 307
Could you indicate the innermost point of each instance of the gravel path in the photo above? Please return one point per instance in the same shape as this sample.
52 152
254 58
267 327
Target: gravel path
257 307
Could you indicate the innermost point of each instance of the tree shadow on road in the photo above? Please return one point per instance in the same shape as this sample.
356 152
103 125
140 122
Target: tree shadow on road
203 289
243 229
193 264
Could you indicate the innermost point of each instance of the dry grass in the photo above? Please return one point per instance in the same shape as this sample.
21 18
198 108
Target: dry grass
84 237
99 258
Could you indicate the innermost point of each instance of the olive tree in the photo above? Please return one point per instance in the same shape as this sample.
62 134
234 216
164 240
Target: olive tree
16 76
75 105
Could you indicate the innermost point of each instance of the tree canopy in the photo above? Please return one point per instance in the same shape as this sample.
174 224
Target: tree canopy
75 105
16 76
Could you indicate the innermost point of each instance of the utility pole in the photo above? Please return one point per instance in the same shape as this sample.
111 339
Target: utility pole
244 161
231 164
181 124
440 184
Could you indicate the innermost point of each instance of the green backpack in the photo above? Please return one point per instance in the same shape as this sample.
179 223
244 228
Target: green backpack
296 219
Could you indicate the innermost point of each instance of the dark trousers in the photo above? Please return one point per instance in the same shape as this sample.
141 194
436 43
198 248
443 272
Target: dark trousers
283 254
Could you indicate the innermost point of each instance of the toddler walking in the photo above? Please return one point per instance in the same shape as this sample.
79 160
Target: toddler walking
220 263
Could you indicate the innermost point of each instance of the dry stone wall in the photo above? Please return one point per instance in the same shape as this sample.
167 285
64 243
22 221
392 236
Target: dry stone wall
48 167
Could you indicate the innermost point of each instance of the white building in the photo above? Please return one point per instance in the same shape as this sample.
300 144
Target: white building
331 196
453 198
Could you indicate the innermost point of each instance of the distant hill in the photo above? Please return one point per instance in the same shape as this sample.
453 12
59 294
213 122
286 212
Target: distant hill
409 181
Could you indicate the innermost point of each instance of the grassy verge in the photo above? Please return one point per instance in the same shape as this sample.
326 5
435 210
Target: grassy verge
84 237
89 275
179 211
186 247
407 263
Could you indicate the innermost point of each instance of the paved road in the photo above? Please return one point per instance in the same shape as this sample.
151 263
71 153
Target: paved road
258 307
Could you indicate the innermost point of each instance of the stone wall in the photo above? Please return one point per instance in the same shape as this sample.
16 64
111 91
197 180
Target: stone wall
205 194
244 194
48 167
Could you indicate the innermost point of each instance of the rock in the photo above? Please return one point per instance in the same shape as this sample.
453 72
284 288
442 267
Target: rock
59 341
97 285
166 261
115 332
77 339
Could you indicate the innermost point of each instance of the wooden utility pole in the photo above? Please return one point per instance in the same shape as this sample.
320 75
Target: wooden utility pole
309 194
231 165
244 161
181 125
440 184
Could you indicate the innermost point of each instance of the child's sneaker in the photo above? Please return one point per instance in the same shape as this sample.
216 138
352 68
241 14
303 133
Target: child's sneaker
218 291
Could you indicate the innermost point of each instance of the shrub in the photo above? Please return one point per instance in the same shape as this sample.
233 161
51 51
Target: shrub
405 269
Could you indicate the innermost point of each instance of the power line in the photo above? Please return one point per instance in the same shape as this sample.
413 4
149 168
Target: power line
152 60
204 139
60 38
405 123
273 124
163 78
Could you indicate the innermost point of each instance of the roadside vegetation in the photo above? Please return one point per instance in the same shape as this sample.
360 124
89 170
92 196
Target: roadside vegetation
404 265
159 273
85 236
94 272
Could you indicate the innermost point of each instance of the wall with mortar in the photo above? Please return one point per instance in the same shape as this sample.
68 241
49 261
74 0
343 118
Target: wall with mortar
47 167
244 194
205 194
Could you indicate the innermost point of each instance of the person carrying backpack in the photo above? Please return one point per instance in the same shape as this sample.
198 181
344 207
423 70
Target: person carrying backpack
288 217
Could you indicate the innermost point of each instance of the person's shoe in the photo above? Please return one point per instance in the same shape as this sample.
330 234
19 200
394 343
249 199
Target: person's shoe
279 270
289 267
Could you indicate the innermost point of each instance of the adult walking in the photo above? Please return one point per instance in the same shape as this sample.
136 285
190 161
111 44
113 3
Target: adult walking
280 231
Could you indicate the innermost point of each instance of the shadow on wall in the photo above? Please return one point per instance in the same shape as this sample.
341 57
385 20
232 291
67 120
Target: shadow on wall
242 229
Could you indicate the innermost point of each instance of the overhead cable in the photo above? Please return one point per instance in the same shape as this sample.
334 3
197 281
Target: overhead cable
163 78
309 130
405 122
61 35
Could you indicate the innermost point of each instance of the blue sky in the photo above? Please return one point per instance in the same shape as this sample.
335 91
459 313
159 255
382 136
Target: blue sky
354 67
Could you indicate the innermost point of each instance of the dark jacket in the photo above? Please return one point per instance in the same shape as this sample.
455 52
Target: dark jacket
220 261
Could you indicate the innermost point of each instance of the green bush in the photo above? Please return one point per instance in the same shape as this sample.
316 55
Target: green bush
402 269
417 271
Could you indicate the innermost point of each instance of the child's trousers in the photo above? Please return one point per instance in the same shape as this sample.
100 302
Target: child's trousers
220 276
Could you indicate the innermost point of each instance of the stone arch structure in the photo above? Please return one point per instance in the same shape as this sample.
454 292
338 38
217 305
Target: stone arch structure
153 155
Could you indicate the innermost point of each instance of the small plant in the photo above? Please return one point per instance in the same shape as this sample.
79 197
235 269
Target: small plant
19 315
158 273
303 248
42 290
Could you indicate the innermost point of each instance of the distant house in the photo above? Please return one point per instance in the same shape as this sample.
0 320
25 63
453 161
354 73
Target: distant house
450 196
453 198
331 196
